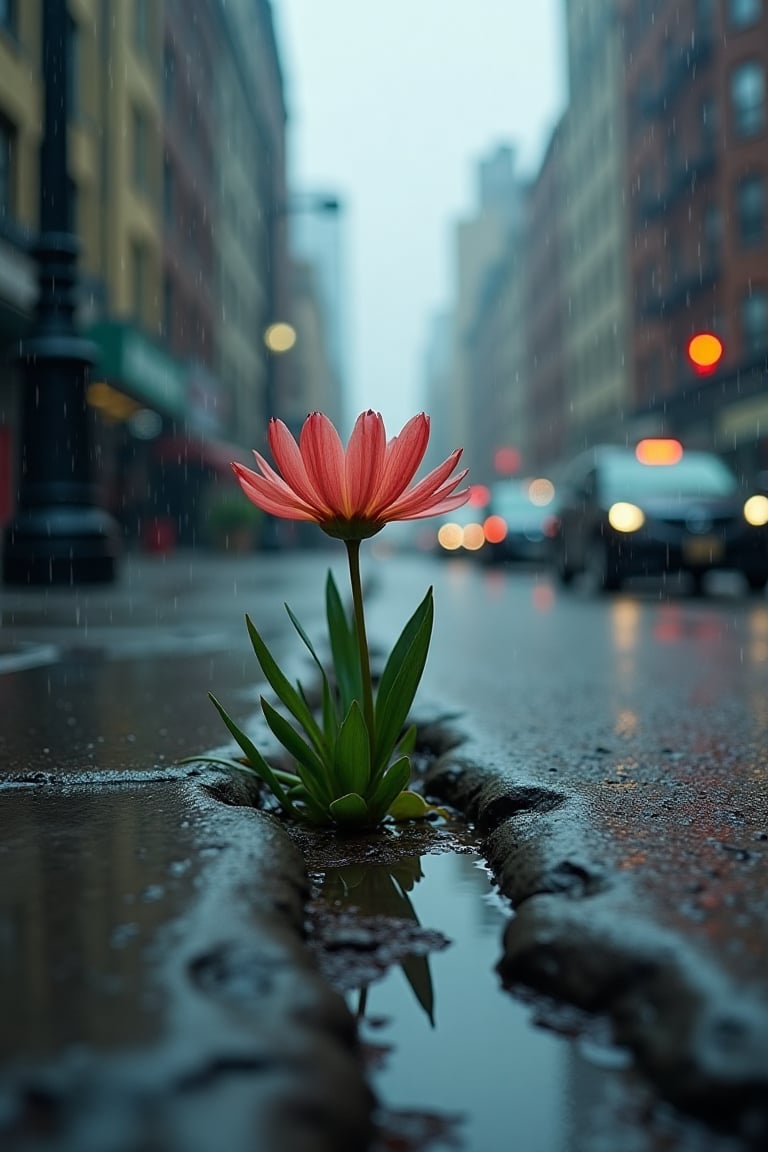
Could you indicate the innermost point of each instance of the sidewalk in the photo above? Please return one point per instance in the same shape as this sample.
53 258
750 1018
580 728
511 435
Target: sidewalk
156 993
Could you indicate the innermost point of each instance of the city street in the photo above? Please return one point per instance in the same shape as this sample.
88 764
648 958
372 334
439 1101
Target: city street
609 752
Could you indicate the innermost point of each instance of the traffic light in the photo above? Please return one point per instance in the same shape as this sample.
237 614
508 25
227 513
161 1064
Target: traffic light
705 351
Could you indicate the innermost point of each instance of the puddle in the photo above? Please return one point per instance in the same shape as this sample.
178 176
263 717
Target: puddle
456 1061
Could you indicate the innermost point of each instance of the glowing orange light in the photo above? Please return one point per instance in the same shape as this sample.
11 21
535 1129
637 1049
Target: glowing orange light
478 496
704 351
450 536
473 537
659 451
495 529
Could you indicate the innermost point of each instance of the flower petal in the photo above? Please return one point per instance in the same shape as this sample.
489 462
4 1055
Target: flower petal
364 461
425 489
413 503
323 456
446 505
404 454
291 497
289 460
267 496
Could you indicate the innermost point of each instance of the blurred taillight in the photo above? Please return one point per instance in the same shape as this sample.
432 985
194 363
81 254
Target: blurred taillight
659 451
495 529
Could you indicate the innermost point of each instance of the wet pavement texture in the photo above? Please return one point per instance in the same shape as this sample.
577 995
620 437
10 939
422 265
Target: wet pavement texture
156 992
610 756
614 763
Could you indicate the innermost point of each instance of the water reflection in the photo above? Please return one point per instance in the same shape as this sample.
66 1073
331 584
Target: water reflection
86 886
376 891
476 1067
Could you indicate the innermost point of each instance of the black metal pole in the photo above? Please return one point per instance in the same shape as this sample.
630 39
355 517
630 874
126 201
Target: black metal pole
59 534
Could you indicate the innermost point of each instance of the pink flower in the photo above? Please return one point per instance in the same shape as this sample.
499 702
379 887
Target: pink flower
351 493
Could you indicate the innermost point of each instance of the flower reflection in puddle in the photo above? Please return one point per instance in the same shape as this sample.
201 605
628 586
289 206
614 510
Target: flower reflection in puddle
364 923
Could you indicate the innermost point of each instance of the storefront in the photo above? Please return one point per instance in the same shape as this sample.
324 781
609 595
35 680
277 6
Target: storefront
162 458
17 298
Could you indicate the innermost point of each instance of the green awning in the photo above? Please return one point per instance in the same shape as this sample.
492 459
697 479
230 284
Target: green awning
135 364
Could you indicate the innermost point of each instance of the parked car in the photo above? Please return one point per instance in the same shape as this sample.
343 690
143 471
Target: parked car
520 521
657 509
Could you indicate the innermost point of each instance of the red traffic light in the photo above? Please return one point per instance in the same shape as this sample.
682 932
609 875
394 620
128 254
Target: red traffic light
704 352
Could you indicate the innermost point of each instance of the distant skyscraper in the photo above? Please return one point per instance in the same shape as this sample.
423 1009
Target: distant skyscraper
316 229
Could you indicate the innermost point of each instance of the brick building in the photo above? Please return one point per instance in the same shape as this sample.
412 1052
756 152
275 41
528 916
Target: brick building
697 179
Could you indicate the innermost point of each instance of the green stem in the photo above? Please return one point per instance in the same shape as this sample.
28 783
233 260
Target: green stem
353 554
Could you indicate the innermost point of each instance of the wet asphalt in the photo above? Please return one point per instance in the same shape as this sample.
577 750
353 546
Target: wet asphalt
611 754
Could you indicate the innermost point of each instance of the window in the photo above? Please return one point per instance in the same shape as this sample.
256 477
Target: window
750 209
138 279
742 13
169 192
168 299
169 77
9 16
708 123
754 321
7 149
748 98
713 231
73 192
73 68
704 16
140 145
141 26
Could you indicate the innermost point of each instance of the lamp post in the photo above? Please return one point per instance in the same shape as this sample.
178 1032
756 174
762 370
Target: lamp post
59 534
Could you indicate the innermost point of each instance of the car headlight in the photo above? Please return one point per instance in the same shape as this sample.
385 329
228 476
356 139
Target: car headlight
756 511
473 537
450 536
625 517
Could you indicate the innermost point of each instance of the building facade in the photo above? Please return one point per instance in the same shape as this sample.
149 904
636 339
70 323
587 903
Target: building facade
545 380
176 169
485 402
697 117
594 233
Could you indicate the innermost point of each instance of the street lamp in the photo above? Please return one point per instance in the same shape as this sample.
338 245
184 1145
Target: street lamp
59 534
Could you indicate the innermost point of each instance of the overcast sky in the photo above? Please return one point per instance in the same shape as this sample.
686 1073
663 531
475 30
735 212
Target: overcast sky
391 103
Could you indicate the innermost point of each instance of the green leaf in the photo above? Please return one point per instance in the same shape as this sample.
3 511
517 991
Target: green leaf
350 810
330 719
389 787
255 758
344 649
314 774
292 699
352 758
230 765
403 643
308 807
417 973
409 806
407 741
400 679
